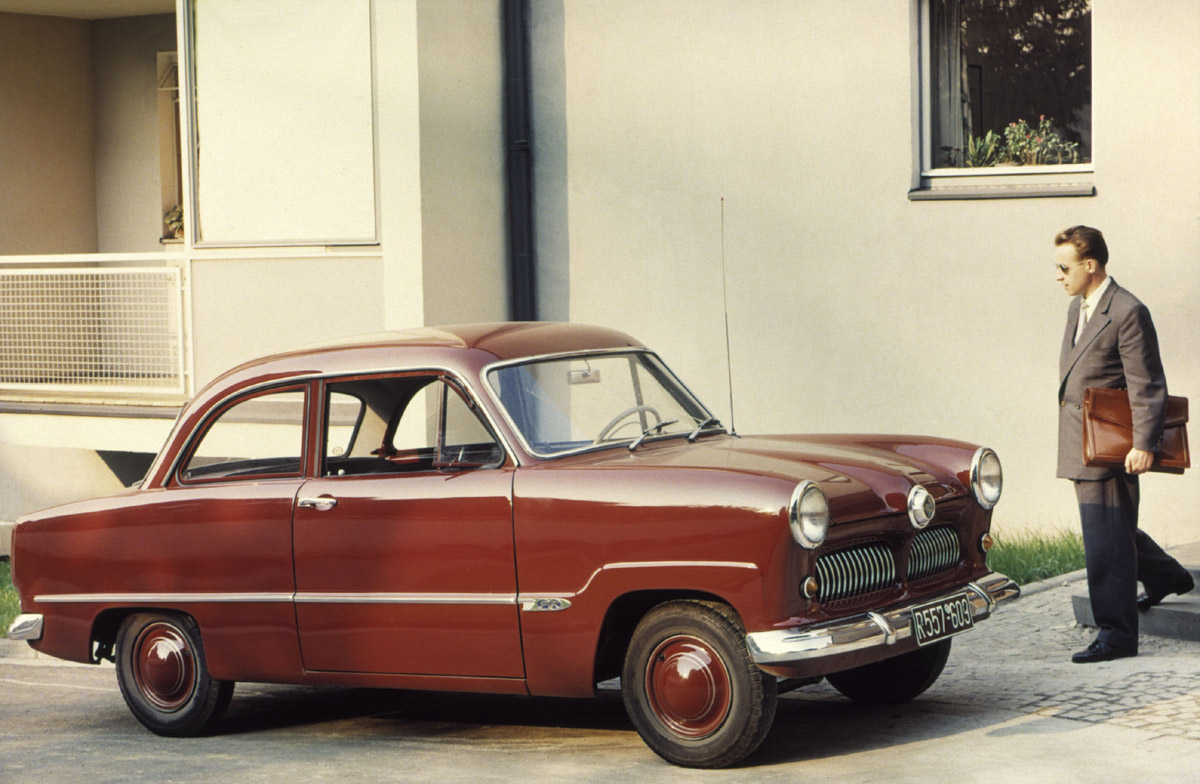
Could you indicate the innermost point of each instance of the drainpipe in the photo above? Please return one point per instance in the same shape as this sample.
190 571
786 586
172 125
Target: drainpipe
522 302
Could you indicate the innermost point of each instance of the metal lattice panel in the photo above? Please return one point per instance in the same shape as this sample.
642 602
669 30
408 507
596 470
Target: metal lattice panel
855 571
933 550
104 329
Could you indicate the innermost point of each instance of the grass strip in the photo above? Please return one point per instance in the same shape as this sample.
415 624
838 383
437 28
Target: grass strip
1031 556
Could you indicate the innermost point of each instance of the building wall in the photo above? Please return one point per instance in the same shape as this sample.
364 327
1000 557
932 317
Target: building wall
766 149
129 214
438 200
462 161
47 174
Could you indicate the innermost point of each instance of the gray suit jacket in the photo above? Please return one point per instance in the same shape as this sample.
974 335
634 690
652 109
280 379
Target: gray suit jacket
1118 348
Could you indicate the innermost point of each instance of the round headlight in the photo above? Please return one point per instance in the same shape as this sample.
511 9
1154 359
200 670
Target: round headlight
921 506
808 514
986 477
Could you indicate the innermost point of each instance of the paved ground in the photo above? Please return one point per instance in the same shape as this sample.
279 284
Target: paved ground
1009 708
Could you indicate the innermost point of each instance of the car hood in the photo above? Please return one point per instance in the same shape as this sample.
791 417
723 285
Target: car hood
862 475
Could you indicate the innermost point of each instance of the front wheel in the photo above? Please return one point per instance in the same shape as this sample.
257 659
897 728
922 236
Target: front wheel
163 676
691 688
895 680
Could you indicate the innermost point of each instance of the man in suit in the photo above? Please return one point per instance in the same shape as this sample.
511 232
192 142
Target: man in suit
1110 342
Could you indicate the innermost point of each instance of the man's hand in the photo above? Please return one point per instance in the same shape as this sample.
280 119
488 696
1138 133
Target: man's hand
1138 461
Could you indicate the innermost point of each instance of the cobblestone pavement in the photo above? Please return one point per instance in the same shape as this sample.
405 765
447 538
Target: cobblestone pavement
1019 660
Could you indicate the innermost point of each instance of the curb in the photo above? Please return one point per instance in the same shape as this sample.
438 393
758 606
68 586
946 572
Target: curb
1053 582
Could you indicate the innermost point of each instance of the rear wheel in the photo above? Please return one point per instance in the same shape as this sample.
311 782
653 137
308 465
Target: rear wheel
691 689
163 676
898 679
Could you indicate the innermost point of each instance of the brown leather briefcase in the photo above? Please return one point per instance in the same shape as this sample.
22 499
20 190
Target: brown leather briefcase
1108 431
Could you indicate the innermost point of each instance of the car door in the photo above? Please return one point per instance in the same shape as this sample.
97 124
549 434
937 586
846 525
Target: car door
404 542
218 540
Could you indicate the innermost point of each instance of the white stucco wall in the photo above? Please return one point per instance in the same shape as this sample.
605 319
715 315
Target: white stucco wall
850 307
462 162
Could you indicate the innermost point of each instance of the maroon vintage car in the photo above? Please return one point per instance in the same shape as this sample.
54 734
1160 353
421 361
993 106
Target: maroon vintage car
521 509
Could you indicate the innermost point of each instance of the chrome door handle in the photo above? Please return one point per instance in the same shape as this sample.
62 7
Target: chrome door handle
322 504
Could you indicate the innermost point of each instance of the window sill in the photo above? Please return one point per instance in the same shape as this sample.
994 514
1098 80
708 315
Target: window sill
1005 183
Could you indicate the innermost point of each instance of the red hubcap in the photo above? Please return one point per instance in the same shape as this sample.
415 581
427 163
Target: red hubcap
163 667
688 687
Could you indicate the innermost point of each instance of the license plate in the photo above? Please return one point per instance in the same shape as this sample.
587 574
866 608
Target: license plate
941 619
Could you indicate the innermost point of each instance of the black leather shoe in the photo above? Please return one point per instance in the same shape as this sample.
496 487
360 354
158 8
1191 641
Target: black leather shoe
1153 596
1102 652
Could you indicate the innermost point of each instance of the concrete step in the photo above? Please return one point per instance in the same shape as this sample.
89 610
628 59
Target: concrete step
1178 617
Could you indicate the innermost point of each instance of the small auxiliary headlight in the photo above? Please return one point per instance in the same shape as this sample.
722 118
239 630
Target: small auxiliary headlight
808 515
987 479
921 506
986 543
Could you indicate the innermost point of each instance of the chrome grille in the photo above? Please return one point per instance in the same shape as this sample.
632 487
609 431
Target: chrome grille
933 550
855 571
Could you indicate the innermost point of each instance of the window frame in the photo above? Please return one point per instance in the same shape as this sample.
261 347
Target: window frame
205 426
447 380
930 183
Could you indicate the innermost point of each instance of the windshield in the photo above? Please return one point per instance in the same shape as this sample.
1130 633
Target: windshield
567 404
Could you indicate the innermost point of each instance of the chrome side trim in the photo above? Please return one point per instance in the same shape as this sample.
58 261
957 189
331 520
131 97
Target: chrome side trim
543 603
27 626
539 601
660 565
868 630
164 598
406 598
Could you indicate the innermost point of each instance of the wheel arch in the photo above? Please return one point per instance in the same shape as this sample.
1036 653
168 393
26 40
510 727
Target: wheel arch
107 624
623 616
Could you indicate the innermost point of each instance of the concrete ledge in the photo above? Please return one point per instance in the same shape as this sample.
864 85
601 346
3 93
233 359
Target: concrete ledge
1177 618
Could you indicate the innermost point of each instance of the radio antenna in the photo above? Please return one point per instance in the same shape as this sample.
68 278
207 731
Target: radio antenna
725 308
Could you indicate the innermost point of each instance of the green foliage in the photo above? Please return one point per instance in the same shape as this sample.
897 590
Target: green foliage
1022 145
1038 146
1029 557
986 150
10 606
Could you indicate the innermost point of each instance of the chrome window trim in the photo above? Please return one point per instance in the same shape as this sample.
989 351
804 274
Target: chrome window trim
499 406
307 380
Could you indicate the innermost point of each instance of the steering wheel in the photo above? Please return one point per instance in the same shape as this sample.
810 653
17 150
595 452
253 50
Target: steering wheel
612 425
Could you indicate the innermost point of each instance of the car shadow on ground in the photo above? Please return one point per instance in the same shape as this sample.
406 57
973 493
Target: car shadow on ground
258 708
806 726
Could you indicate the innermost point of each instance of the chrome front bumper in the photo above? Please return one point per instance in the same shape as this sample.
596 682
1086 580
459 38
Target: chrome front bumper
868 630
26 627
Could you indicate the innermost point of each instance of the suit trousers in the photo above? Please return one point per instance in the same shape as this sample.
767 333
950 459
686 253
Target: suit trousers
1118 554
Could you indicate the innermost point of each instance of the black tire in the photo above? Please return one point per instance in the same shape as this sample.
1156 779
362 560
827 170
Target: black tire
163 675
716 724
895 680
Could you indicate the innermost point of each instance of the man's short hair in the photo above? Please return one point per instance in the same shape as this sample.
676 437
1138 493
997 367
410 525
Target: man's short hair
1089 243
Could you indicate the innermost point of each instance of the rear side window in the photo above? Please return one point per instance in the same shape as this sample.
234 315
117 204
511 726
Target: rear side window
258 436
404 424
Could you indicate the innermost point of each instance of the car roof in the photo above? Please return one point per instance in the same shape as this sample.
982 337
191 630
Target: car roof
462 347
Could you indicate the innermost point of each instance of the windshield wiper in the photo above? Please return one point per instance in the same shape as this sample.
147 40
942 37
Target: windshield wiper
646 433
712 420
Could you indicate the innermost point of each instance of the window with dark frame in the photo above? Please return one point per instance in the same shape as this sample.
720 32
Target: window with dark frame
1010 83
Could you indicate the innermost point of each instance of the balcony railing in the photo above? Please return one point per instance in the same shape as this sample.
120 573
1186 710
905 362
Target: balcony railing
116 331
